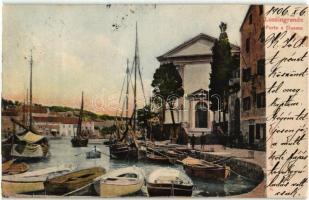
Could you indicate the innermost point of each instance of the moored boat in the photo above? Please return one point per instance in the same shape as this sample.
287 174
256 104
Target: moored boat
121 150
67 183
169 182
32 181
160 159
120 182
7 164
94 153
205 170
80 139
29 146
16 168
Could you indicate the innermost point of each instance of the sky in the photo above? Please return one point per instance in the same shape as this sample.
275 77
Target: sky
79 48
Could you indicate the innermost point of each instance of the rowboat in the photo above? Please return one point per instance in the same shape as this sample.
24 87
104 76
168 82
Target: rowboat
15 168
169 182
205 170
6 165
160 159
123 151
32 181
120 182
94 153
72 181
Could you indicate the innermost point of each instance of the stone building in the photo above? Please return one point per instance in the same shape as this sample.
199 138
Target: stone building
234 107
193 59
252 68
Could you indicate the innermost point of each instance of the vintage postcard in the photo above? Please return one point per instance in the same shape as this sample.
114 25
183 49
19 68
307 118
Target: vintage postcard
148 100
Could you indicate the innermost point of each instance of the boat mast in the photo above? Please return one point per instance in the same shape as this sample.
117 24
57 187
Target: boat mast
127 94
80 119
136 65
30 96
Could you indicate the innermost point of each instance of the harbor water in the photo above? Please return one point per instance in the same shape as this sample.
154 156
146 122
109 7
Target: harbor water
63 153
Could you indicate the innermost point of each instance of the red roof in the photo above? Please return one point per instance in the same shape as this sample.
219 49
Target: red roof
62 120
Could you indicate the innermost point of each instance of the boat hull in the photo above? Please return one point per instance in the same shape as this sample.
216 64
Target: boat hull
159 159
14 187
72 181
30 153
120 182
110 190
208 173
155 190
30 181
16 168
93 155
79 142
121 151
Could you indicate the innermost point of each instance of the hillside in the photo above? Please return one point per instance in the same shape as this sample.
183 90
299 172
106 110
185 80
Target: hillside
9 104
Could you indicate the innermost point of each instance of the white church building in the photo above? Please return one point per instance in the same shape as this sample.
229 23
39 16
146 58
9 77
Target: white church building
193 59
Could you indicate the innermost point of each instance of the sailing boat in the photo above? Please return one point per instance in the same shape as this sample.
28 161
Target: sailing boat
28 145
80 139
120 148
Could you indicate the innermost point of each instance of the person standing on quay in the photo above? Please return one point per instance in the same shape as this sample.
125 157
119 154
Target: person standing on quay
202 138
192 141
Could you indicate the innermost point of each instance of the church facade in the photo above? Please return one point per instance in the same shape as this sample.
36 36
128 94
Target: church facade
193 60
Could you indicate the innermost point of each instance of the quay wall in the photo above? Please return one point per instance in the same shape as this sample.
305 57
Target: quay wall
244 168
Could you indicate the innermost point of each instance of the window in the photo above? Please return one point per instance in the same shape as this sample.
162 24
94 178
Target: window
260 131
260 100
247 45
261 9
246 103
262 35
261 67
246 74
257 131
250 19
264 130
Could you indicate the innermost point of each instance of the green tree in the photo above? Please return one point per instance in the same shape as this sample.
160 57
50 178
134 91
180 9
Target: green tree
167 84
221 71
144 117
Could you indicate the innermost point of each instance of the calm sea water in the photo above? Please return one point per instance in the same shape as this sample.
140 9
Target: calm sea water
62 153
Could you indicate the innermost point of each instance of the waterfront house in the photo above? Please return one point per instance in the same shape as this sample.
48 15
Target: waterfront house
252 66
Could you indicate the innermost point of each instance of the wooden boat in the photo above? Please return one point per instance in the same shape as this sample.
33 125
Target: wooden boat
122 151
72 181
169 182
7 164
160 159
85 190
81 137
16 168
30 181
29 151
175 154
205 170
28 146
94 153
120 182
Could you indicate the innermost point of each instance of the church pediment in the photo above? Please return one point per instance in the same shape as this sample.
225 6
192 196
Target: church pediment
199 94
199 45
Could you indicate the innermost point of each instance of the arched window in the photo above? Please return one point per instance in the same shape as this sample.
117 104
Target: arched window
201 117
